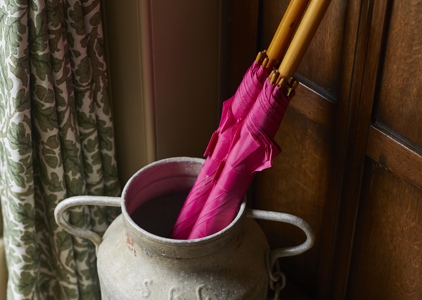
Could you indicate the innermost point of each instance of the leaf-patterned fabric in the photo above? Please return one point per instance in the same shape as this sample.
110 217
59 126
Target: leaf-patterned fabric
56 141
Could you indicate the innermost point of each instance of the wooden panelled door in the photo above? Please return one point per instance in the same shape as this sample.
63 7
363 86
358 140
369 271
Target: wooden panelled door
351 164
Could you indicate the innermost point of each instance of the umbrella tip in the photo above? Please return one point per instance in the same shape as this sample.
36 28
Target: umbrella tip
261 56
281 81
268 63
265 62
292 86
274 76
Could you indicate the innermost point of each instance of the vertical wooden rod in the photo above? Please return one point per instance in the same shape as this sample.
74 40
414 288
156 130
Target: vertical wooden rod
303 37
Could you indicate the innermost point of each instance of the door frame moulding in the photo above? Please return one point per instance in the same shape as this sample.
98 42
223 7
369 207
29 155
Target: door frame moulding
365 37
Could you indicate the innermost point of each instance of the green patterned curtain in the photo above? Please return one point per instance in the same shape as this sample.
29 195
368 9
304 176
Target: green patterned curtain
56 142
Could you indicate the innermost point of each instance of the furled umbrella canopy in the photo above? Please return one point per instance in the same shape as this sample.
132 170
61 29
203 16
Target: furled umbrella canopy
253 150
235 111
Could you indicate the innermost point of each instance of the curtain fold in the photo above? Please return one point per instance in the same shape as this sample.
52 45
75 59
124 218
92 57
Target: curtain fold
56 142
3 269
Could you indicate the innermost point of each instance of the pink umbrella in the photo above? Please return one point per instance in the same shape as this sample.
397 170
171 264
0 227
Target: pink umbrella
252 150
234 111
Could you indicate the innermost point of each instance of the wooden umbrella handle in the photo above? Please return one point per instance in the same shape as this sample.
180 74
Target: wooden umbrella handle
285 31
303 37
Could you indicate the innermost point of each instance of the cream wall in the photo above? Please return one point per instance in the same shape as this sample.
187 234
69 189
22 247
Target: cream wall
165 66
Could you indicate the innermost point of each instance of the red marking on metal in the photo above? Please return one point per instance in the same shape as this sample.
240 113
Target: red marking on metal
130 243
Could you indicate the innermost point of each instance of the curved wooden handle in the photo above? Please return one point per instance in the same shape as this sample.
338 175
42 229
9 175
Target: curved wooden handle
285 30
303 37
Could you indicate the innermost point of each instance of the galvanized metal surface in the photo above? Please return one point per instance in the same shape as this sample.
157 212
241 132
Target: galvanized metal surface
237 271
235 263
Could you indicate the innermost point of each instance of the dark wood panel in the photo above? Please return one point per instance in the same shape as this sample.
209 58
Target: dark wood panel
395 155
297 183
322 62
352 126
387 261
270 15
400 93
312 105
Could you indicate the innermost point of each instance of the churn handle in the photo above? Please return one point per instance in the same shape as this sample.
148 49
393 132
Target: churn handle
83 200
283 252
290 219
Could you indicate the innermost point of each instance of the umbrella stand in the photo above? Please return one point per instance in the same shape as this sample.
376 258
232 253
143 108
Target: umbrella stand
253 148
235 111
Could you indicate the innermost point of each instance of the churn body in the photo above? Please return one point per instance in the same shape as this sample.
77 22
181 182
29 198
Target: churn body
234 271
136 260
137 264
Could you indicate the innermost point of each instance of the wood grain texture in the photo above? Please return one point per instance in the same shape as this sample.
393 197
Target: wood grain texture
354 117
322 62
399 102
303 37
395 155
312 105
297 183
352 69
387 260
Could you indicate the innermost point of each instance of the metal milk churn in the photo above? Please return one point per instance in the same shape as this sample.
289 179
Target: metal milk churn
135 260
